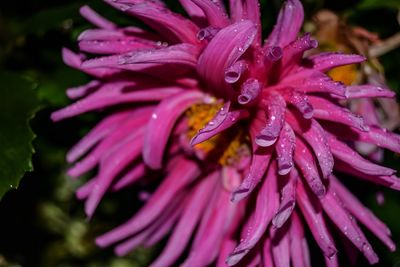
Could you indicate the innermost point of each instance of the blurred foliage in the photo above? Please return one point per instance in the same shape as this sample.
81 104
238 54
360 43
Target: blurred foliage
18 105
42 224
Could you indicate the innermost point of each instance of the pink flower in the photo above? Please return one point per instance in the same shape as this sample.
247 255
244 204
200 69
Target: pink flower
248 135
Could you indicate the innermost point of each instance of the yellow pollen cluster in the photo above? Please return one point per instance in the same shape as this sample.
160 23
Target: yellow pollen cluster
223 148
346 74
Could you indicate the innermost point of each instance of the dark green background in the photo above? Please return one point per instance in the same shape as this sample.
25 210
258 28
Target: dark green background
41 223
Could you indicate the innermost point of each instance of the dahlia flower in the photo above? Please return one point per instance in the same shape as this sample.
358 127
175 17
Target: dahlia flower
249 138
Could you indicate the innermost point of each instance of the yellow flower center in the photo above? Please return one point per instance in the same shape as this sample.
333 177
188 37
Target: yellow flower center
227 147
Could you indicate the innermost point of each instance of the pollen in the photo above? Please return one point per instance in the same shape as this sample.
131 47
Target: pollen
346 74
226 148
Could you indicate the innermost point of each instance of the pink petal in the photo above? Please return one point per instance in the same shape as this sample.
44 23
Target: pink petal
229 44
288 200
284 150
352 158
83 90
312 213
214 12
130 177
306 163
372 91
299 251
347 226
364 215
94 18
258 223
187 223
177 179
276 107
162 121
171 25
326 61
280 246
287 27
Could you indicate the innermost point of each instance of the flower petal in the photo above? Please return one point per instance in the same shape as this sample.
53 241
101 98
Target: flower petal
229 44
161 123
288 25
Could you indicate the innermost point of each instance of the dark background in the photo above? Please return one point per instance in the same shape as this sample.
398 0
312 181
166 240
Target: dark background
41 223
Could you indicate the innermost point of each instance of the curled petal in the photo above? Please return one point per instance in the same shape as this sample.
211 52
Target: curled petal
223 120
258 167
284 150
276 107
229 44
161 123
288 25
234 72
249 92
293 53
288 200
300 102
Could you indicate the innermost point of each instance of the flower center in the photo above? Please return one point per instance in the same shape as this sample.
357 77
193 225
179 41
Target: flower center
226 148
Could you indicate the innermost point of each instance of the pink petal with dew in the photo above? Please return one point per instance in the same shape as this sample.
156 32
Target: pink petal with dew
284 149
247 9
175 54
287 200
262 216
305 161
114 94
313 215
194 11
275 106
368 91
328 60
352 158
288 24
361 213
162 121
315 136
171 25
229 44
347 225
75 61
178 178
328 111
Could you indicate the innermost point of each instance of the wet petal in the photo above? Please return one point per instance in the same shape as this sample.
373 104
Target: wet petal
161 123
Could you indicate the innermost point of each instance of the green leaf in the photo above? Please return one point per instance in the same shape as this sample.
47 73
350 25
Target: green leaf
18 105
